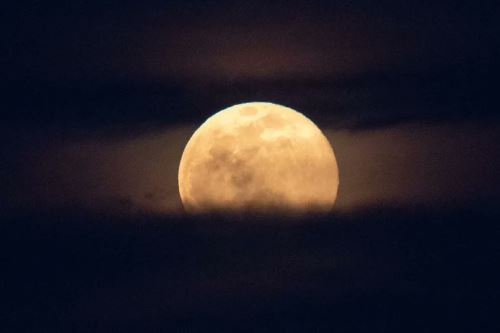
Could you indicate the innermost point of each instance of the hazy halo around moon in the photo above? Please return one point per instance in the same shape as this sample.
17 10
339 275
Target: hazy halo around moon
258 157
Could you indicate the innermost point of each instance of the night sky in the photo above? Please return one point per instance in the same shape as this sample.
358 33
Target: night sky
99 99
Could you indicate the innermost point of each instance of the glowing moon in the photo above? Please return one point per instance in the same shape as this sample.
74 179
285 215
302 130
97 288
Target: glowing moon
258 156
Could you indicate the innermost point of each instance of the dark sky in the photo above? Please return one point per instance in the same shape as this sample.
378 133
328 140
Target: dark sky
95 61
101 96
220 40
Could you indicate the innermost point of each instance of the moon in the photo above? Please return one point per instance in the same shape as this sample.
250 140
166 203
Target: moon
258 157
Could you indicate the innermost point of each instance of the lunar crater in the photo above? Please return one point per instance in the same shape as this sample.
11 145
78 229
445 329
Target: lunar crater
248 111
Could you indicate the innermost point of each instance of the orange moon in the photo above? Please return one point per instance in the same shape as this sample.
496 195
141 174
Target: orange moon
258 157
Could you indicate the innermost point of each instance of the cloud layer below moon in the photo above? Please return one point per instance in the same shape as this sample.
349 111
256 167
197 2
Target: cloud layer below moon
406 164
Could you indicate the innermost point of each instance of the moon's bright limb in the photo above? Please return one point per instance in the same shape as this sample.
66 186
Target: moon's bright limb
258 156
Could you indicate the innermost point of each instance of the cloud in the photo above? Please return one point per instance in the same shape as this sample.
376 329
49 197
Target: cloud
435 164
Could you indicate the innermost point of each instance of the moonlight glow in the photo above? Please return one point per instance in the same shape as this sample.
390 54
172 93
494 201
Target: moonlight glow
258 156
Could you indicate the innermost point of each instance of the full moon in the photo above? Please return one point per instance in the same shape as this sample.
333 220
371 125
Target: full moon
258 157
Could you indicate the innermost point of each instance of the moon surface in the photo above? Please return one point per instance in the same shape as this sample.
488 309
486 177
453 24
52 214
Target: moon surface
258 157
